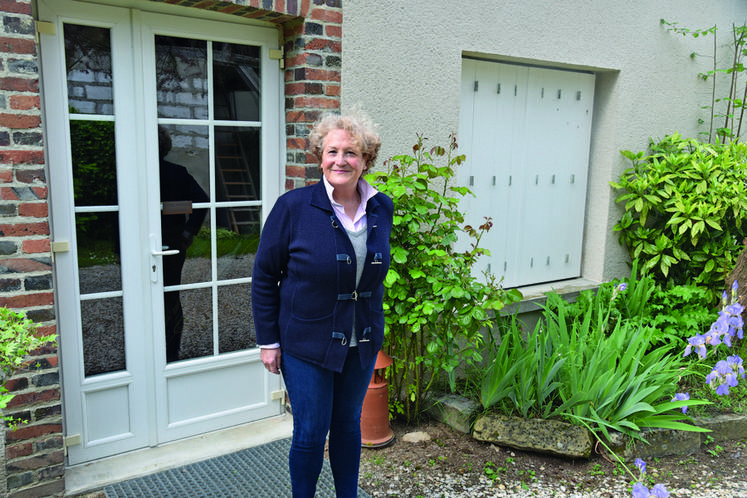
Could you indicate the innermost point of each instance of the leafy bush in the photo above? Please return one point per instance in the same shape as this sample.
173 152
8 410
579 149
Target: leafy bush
435 307
17 340
684 207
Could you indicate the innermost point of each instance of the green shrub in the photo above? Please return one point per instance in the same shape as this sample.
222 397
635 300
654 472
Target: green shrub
684 205
435 307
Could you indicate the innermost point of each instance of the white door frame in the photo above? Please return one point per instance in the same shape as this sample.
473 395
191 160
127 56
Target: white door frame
143 405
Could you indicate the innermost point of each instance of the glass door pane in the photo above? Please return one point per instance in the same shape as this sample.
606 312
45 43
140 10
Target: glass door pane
208 100
88 63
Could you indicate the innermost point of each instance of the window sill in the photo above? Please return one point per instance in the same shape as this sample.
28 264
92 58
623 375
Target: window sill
534 295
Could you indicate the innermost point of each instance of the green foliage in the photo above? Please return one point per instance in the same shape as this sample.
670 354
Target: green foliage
17 341
435 307
684 205
733 104
678 310
594 362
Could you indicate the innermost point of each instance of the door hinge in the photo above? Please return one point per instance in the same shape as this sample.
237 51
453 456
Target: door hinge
72 440
61 246
277 54
44 28
276 395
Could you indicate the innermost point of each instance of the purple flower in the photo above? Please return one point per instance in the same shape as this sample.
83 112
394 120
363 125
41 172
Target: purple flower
641 465
682 397
659 491
641 491
698 342
724 374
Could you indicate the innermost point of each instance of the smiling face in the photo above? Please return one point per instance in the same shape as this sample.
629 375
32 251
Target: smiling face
342 161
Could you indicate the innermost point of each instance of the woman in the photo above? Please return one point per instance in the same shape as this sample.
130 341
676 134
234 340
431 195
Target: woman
317 293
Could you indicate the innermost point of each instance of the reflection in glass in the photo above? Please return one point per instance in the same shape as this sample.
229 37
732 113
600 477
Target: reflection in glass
103 335
236 82
97 236
88 62
235 322
236 251
197 333
181 77
181 219
237 164
94 163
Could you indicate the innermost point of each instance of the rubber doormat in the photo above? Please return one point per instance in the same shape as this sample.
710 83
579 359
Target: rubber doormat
260 472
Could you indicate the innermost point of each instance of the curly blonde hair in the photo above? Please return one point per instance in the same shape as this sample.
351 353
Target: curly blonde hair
358 125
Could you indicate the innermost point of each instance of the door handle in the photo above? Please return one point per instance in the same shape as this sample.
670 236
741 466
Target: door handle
168 252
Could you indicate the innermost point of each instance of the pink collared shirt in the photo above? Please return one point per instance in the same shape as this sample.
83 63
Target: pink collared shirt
366 191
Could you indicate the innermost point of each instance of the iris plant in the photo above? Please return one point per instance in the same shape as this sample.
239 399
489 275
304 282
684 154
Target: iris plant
641 491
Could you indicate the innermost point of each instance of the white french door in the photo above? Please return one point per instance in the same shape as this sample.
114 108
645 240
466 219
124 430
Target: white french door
163 139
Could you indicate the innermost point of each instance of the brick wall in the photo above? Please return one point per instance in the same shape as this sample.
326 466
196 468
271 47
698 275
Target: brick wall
34 460
311 31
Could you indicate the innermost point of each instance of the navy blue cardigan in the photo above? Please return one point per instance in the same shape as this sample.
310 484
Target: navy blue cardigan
303 283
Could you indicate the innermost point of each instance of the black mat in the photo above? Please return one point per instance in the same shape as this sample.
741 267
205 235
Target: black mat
261 471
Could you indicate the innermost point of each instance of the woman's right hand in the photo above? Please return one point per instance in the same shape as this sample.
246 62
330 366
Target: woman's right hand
270 359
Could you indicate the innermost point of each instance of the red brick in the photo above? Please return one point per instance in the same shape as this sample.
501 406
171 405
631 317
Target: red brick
27 300
17 383
31 175
41 192
20 400
6 176
20 121
25 102
295 143
333 31
7 194
24 265
321 74
32 431
19 84
327 15
47 488
295 171
303 89
22 156
45 331
321 44
18 450
17 45
24 229
302 116
33 210
332 90
289 184
53 360
317 102
15 7
305 6
36 246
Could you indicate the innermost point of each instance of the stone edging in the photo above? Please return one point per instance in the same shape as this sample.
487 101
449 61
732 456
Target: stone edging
563 439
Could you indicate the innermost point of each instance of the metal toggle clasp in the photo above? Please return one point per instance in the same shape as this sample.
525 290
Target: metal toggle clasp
334 223
355 295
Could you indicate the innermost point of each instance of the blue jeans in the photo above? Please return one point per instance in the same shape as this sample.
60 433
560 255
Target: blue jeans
325 401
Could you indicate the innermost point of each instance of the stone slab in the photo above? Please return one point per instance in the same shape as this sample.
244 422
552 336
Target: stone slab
543 436
455 411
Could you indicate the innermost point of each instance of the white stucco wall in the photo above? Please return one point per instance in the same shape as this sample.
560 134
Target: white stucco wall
402 63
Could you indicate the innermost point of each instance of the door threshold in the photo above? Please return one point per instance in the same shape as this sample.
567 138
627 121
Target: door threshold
95 475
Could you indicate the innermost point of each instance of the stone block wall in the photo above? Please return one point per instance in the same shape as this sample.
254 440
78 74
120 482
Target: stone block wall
309 31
